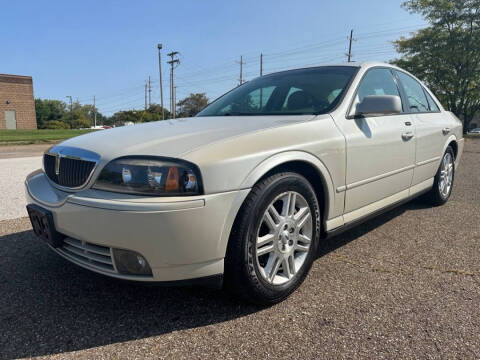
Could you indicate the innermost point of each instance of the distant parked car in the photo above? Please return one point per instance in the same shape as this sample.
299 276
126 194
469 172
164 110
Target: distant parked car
247 190
474 131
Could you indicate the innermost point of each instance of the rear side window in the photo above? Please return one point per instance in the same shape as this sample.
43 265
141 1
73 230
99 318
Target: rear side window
417 101
433 105
377 81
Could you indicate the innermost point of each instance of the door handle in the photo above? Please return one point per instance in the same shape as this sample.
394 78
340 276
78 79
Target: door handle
407 135
446 131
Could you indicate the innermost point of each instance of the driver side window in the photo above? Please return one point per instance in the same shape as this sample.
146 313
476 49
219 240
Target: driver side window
377 81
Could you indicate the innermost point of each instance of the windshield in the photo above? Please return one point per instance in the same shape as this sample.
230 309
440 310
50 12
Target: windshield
295 92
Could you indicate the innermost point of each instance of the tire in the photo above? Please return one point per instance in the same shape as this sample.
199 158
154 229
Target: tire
288 243
444 177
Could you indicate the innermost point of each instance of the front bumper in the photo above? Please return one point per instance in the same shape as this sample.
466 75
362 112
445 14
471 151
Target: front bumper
181 238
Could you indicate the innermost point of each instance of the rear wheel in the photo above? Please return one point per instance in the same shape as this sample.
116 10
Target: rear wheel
274 239
443 182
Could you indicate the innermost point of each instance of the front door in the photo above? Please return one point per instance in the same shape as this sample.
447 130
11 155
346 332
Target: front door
380 149
10 119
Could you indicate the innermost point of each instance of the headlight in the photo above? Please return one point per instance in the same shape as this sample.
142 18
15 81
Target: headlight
150 175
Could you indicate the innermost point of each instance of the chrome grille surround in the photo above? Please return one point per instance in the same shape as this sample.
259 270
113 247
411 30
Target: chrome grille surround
89 255
69 168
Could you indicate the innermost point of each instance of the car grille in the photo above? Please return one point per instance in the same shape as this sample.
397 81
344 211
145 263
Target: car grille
72 172
88 254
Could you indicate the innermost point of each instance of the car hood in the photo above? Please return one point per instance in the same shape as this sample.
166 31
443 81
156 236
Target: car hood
173 138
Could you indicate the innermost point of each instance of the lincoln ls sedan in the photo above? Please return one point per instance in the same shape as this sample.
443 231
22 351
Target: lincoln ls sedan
243 194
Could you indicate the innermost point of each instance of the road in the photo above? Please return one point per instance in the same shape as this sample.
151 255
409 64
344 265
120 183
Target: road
404 285
19 151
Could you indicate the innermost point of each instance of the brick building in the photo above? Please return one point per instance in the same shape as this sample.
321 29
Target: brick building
17 105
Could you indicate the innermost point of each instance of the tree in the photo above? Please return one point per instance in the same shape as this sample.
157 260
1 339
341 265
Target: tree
192 105
446 55
55 114
55 124
49 110
153 113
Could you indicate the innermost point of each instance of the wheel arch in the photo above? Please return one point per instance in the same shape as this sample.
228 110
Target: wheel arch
301 162
312 174
306 165
454 145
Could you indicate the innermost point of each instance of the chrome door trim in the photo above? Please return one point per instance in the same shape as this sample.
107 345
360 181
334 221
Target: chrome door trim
428 161
374 178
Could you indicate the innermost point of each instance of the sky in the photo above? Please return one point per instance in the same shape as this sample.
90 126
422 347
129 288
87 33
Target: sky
109 49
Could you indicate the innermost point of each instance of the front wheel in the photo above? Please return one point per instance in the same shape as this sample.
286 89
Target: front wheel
274 239
443 182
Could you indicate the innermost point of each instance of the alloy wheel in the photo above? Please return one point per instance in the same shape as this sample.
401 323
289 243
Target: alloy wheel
284 237
446 175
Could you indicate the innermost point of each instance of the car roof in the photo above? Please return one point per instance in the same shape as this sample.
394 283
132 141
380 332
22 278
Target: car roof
365 65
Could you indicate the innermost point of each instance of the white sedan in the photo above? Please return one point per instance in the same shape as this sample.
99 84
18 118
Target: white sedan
243 193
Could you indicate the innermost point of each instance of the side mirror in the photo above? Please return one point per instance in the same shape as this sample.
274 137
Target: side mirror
379 105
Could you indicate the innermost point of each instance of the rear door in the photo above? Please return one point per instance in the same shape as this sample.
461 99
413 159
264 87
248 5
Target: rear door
428 119
380 158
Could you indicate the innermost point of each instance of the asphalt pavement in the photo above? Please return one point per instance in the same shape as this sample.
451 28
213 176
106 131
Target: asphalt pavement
403 285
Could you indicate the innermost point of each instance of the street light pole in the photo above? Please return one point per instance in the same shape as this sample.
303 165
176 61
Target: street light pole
161 84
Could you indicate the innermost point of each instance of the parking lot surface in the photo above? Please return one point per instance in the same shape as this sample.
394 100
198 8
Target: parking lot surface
404 285
12 176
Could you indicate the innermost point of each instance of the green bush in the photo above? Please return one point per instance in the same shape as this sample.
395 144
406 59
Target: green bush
81 124
56 124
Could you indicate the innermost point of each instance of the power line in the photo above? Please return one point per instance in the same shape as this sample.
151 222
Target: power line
201 77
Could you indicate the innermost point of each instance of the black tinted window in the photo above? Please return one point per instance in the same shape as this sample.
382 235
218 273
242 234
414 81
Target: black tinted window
417 102
304 91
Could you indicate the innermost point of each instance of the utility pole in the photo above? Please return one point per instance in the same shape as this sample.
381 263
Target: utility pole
261 64
161 85
145 95
175 101
241 69
261 74
349 55
172 90
71 109
94 113
149 92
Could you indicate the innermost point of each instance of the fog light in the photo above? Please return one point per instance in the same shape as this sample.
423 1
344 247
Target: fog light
131 263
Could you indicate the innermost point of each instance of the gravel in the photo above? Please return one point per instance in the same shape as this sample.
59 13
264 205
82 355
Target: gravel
12 175
404 285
